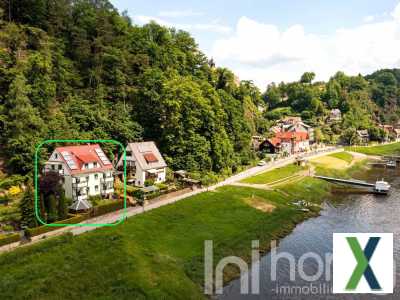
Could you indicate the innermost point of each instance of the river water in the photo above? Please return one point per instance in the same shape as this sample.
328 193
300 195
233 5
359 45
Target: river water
347 213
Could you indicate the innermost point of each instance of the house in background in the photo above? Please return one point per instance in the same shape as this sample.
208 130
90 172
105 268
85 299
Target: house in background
288 143
272 145
363 135
86 171
256 141
143 162
396 134
294 124
335 115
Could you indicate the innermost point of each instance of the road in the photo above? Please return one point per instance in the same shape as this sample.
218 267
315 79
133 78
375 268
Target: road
132 211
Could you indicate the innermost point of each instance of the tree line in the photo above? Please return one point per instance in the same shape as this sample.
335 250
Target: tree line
79 69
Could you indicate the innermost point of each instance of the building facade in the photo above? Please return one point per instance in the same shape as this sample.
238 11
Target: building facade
144 162
85 169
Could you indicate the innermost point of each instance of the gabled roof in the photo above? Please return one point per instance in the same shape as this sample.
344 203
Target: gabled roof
147 155
298 136
80 205
275 141
75 157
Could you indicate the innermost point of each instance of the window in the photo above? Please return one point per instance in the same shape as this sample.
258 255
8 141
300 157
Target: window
96 188
55 155
95 165
53 167
128 153
87 178
59 167
96 176
86 166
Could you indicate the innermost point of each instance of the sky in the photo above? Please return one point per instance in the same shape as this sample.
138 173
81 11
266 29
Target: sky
278 40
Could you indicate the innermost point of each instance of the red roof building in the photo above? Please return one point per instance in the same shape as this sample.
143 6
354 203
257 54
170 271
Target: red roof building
86 169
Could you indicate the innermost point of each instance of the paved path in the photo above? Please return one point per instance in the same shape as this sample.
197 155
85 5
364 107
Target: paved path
132 211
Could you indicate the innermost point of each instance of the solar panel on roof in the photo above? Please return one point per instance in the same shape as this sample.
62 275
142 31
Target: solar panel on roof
68 158
102 156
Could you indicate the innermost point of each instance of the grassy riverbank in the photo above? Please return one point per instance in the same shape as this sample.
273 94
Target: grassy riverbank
159 254
389 149
273 175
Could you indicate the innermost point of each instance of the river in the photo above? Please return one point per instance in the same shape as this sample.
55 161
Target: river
345 213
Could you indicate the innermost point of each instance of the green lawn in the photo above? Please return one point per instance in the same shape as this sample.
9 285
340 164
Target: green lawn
390 149
156 255
346 156
273 175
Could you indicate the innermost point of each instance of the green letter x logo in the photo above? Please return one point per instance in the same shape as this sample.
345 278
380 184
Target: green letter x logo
363 267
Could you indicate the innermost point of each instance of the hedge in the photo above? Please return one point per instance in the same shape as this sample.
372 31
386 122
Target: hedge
43 229
9 238
106 208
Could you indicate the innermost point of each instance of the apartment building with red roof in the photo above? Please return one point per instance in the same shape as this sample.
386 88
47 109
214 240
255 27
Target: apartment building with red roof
86 171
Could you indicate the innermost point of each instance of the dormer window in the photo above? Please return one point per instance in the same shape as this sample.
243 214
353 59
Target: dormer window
55 155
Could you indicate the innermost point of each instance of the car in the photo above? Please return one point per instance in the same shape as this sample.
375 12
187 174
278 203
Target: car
261 163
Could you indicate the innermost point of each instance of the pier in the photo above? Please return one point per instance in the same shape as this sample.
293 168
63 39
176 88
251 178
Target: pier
380 186
347 181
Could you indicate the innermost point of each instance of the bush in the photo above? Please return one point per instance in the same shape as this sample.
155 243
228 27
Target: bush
7 227
149 182
43 229
107 207
6 239
162 186
139 195
95 199
14 180
130 190
209 179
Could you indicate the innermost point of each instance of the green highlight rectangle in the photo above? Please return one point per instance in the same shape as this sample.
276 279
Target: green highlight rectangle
36 177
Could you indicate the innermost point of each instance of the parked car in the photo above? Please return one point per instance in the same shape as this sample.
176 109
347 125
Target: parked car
261 163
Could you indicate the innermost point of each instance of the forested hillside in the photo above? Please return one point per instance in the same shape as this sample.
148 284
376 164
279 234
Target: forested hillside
79 69
365 102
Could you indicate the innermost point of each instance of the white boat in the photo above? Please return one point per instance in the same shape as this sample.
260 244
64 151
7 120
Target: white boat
382 187
391 164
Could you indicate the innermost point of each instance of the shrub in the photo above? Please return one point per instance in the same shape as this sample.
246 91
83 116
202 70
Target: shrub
6 239
149 182
162 186
95 199
7 227
208 179
75 219
107 207
14 180
139 195
130 190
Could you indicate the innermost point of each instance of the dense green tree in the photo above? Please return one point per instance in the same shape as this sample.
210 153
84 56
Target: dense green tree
23 127
26 206
307 77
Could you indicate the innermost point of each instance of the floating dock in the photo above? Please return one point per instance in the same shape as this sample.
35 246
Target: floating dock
347 181
380 187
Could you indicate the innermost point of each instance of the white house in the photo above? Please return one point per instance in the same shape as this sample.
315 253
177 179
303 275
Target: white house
86 171
144 161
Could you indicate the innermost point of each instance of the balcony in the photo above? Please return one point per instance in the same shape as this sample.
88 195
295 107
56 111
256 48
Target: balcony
107 179
108 191
80 184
